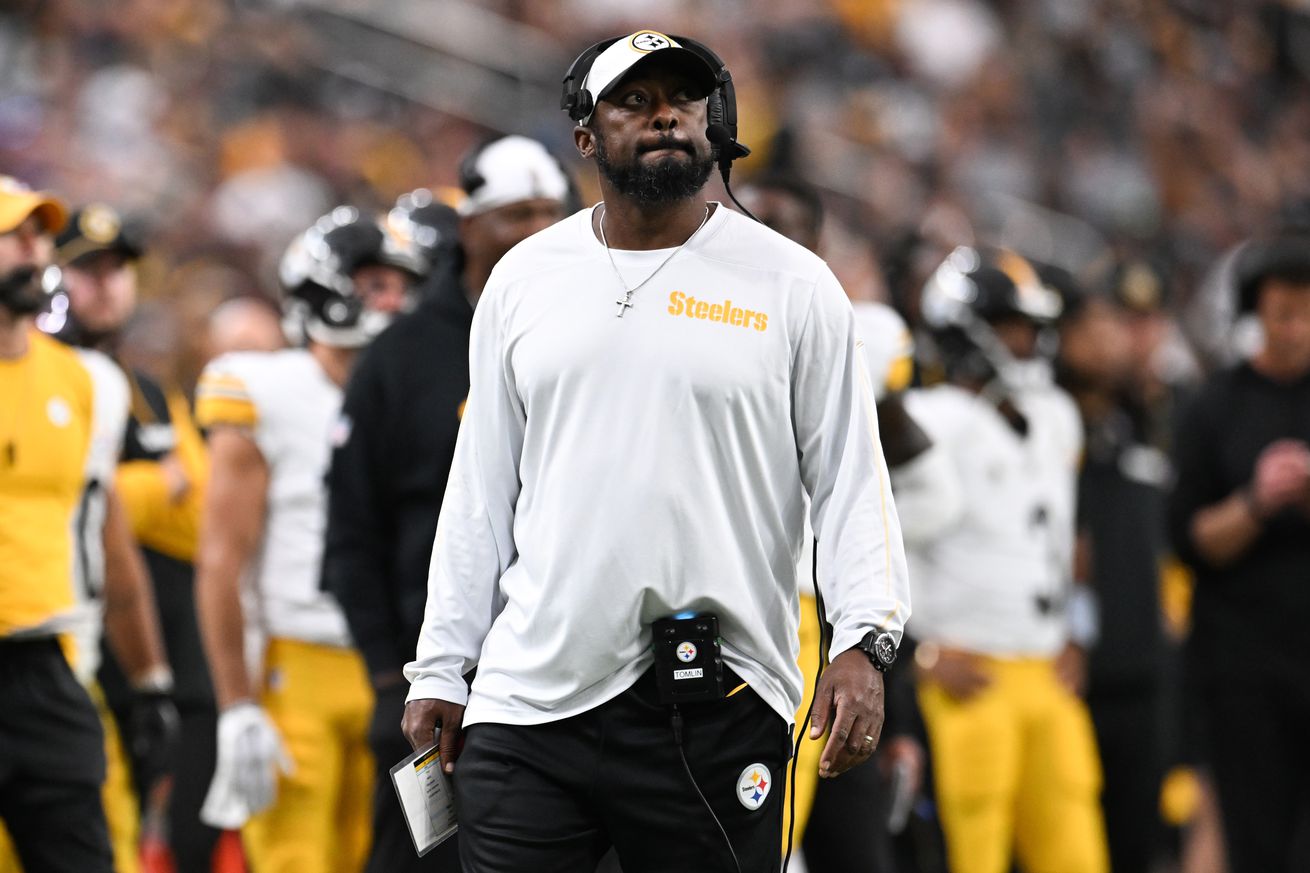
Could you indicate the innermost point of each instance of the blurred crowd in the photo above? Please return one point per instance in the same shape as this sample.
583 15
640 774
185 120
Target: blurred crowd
1127 147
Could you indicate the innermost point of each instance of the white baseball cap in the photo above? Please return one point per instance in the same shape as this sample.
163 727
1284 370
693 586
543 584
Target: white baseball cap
511 169
613 63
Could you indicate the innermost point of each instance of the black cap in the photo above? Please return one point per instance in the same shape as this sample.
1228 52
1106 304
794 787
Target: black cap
91 229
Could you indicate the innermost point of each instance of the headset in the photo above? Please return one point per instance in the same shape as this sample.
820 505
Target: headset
721 103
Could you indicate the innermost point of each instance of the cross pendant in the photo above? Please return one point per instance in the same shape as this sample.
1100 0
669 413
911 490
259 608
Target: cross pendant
625 303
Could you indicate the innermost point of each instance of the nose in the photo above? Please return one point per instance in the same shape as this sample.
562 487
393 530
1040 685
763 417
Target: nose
664 118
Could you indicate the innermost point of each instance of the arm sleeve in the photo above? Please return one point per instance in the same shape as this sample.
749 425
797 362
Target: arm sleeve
861 559
358 551
474 543
1196 484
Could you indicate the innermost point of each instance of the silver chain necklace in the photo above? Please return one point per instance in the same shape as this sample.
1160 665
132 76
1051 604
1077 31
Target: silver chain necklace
626 301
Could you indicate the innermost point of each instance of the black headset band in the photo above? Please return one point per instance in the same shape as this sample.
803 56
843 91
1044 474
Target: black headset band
577 102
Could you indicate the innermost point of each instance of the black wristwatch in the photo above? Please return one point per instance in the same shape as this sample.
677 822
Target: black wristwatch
880 646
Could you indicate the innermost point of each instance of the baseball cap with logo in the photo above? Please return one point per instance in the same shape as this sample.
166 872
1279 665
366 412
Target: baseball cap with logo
508 170
617 61
91 229
18 202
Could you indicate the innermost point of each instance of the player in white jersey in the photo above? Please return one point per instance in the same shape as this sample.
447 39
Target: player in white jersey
1000 629
292 691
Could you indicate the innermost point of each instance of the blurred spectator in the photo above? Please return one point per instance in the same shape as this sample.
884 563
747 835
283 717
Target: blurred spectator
1240 516
1120 549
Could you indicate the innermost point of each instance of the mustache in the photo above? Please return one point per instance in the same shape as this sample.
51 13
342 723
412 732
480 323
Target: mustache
666 142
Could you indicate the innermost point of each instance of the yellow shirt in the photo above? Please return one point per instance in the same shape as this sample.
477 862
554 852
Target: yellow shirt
46 415
160 522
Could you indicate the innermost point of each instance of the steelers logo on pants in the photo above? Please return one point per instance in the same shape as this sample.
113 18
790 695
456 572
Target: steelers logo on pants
754 785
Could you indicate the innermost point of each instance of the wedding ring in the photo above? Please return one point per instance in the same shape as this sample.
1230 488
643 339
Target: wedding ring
868 740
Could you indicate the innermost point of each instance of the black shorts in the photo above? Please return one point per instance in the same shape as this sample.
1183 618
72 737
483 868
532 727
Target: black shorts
554 797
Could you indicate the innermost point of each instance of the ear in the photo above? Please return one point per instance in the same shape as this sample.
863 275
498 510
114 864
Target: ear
584 138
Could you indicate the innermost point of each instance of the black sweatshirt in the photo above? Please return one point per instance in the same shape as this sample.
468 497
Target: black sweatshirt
386 481
1251 619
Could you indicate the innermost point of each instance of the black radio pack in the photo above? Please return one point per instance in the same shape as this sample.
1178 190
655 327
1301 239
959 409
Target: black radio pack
688 658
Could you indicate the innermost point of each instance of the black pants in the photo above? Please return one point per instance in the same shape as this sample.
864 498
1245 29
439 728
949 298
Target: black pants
191 840
52 763
393 848
552 798
847 831
1260 755
1128 734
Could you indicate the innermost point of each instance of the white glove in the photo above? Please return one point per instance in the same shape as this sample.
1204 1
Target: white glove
250 756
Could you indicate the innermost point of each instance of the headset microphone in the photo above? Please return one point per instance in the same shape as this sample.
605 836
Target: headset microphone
719 136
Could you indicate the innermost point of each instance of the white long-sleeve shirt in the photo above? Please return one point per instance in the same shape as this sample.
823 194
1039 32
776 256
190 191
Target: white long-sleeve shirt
612 471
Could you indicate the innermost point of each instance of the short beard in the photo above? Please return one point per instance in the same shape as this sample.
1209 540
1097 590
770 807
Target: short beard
668 180
20 291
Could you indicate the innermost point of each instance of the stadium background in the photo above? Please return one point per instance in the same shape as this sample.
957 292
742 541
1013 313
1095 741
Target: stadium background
1089 133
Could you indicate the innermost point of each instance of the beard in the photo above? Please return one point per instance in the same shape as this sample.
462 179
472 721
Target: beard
667 180
20 291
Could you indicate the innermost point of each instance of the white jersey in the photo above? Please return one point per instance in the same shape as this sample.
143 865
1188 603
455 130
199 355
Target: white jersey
995 576
291 408
111 404
612 471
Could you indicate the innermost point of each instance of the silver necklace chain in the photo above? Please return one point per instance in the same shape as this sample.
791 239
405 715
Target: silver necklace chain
626 301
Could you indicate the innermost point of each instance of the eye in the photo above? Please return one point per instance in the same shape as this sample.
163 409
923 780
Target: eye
634 98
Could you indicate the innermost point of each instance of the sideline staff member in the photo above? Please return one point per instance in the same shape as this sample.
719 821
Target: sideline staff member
1240 516
52 753
613 471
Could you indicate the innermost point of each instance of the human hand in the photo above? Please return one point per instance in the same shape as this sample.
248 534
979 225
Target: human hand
849 702
250 758
422 719
1071 669
961 675
1282 477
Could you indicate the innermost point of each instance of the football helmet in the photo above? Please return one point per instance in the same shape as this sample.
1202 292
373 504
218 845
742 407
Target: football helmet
433 227
316 278
969 292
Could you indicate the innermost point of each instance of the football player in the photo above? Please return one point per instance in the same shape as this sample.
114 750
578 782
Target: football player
1002 629
294 766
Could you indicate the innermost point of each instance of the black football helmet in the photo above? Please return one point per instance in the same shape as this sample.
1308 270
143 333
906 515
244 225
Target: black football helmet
316 277
969 292
433 226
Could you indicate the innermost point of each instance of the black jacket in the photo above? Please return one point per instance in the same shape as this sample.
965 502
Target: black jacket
387 479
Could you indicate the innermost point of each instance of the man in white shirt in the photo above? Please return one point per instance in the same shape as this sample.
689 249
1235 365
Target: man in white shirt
657 385
1000 626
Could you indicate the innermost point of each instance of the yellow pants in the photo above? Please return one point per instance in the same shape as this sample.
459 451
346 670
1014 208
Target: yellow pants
807 759
117 795
1017 772
320 699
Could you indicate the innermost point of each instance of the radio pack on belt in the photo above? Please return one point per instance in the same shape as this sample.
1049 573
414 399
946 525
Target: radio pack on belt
688 658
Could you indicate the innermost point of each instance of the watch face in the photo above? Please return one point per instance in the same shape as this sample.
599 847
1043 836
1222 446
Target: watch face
884 649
